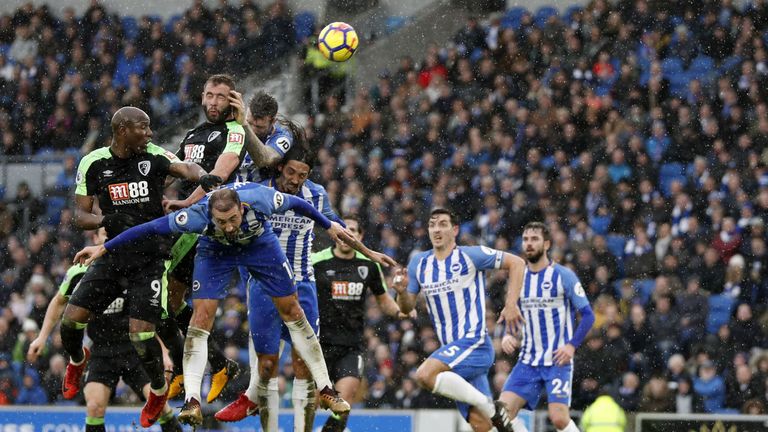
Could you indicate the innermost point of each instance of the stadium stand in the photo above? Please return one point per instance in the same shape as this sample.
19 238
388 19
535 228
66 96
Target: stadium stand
508 122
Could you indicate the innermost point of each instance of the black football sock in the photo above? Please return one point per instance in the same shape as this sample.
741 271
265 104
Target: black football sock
336 423
72 333
168 331
215 356
151 356
182 318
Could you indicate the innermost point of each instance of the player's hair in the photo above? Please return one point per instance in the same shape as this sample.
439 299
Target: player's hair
355 218
223 199
536 225
225 79
263 105
300 150
451 215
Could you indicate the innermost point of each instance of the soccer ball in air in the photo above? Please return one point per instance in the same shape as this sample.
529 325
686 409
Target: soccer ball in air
338 41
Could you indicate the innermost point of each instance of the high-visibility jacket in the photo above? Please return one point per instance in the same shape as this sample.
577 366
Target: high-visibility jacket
604 415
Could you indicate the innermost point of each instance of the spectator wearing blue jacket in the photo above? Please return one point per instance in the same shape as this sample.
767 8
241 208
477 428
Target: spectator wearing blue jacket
31 392
129 63
711 387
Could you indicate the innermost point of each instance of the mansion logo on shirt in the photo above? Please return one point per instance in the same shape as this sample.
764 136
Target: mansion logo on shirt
129 193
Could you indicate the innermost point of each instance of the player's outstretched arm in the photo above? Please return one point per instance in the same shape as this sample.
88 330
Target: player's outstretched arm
52 317
511 315
261 155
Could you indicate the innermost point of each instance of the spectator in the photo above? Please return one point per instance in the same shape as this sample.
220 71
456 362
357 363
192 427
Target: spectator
742 387
657 397
710 386
31 392
686 400
628 393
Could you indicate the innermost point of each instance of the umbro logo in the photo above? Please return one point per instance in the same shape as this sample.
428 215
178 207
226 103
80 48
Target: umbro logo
330 273
108 173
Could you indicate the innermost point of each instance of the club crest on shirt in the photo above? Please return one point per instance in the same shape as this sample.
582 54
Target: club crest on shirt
362 271
213 135
144 167
546 285
456 267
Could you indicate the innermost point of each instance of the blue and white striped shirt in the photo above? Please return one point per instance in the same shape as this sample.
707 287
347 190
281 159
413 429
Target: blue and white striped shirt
280 139
454 289
296 232
548 302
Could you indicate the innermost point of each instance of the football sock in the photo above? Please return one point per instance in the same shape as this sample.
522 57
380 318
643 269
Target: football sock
168 330
195 349
183 317
151 355
269 404
72 333
94 424
306 344
336 423
570 428
453 386
215 356
253 359
518 425
304 404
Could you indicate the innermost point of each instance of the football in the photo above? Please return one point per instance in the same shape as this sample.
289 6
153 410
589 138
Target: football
337 41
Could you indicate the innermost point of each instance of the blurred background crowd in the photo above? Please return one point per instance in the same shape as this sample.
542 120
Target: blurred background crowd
637 130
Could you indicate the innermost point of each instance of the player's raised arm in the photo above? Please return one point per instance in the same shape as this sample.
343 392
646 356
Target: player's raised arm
261 154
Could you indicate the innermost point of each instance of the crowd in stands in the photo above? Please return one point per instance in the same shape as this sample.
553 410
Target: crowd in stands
635 129
62 77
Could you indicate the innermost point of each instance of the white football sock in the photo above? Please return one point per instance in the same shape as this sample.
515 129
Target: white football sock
269 404
304 407
570 428
305 342
195 359
518 425
453 386
252 391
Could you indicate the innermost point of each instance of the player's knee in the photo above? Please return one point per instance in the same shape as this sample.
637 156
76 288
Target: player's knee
560 420
267 367
425 378
96 408
290 310
203 316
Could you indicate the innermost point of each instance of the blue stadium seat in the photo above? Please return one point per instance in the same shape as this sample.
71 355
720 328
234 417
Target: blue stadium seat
615 244
720 308
600 224
730 64
304 22
668 173
395 23
54 206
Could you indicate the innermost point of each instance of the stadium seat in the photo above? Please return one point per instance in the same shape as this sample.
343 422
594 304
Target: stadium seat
172 22
304 22
729 65
53 210
600 224
395 23
668 173
571 11
720 308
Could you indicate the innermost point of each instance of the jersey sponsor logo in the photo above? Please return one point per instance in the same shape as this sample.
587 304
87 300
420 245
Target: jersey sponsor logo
108 173
278 200
579 290
345 290
144 167
213 135
182 218
455 267
542 303
129 193
284 143
196 285
115 307
194 152
235 137
362 271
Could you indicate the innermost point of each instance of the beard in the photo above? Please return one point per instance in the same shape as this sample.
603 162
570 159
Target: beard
535 256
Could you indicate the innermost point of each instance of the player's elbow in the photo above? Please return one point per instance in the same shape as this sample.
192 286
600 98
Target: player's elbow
514 262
